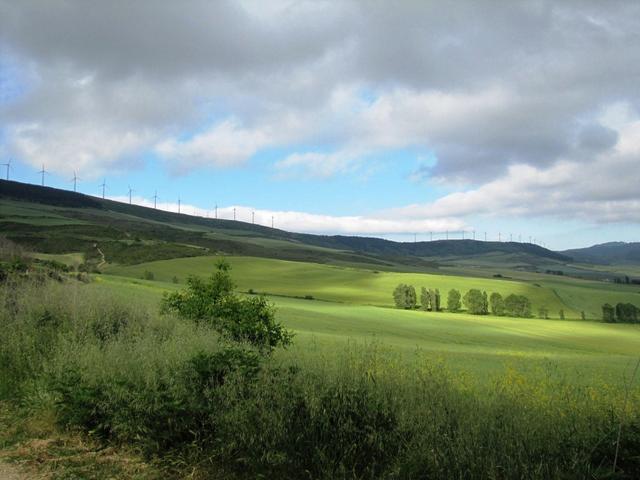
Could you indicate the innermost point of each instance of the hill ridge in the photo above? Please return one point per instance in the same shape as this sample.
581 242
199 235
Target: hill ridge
360 244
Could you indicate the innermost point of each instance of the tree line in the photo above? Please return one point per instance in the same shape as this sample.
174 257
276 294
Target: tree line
621 313
475 301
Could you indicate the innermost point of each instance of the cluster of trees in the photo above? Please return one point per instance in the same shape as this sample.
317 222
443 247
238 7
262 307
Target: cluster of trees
621 313
627 281
475 301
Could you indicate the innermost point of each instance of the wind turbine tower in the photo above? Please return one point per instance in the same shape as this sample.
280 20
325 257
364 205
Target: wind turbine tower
130 192
179 204
155 199
43 172
253 217
8 165
104 185
75 181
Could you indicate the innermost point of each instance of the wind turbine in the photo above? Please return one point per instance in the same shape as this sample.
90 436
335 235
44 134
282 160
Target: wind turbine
216 211
234 214
104 185
431 236
8 165
43 172
130 192
271 221
155 199
253 217
179 201
75 180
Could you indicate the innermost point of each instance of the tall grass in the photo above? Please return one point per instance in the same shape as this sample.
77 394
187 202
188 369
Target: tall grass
176 391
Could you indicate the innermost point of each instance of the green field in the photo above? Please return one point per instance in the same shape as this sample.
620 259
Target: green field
355 305
370 287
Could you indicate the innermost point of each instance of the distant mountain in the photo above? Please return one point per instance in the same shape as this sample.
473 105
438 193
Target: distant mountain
607 253
115 221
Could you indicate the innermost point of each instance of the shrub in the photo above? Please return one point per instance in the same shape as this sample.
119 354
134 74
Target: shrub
147 275
240 319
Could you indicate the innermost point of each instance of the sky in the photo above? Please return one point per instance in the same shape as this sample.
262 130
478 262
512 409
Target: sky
402 120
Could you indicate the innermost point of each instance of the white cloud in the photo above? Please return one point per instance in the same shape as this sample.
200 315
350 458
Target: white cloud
226 144
62 149
311 223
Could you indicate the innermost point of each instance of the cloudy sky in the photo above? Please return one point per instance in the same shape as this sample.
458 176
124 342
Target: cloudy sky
376 118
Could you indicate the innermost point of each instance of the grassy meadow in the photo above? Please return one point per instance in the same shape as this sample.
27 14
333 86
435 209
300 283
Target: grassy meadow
352 398
99 382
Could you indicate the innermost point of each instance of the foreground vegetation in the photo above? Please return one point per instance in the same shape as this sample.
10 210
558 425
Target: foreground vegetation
190 399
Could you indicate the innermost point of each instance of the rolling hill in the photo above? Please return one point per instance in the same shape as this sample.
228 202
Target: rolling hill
608 253
54 221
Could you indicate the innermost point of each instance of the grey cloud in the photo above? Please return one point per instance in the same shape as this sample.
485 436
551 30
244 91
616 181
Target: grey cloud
164 68
596 138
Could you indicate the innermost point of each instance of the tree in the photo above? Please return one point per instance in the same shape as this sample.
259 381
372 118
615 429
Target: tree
561 314
474 301
626 313
485 303
497 304
582 315
436 296
425 299
240 319
543 312
453 300
404 296
608 313
517 306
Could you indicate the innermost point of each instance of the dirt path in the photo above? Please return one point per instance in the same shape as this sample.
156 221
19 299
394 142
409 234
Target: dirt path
103 262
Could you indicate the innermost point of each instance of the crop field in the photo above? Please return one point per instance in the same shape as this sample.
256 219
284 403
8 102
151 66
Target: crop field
370 287
479 345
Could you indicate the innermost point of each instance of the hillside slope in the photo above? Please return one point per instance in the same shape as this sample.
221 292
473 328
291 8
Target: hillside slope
608 253
58 221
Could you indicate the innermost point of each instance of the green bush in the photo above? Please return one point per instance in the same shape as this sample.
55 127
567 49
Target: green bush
212 301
